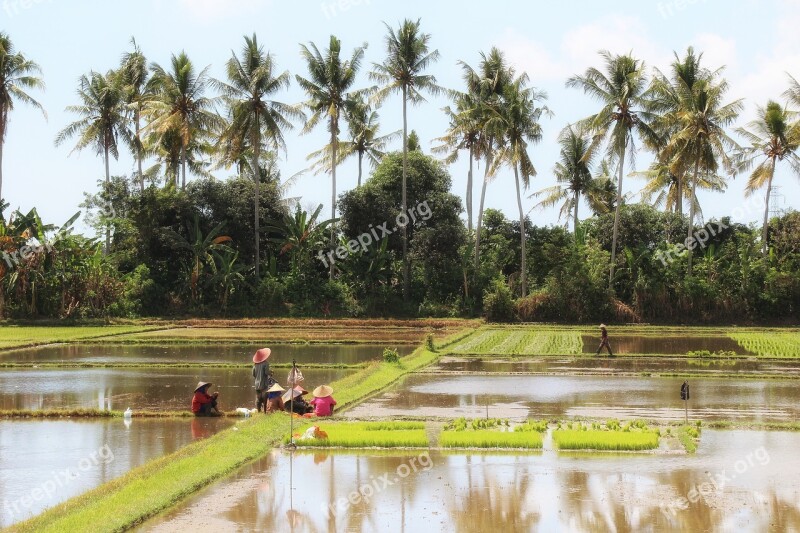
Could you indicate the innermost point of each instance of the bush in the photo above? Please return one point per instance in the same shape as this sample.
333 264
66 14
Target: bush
498 303
270 296
390 355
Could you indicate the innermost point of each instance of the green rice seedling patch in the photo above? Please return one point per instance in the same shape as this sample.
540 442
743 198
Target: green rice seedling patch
689 436
366 435
22 336
491 433
611 436
770 344
517 341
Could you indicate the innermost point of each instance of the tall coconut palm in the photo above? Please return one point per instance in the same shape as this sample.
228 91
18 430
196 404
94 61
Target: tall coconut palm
663 186
520 127
254 117
622 91
134 76
772 139
180 106
463 133
486 85
573 174
407 57
18 74
328 88
363 125
696 119
793 92
102 123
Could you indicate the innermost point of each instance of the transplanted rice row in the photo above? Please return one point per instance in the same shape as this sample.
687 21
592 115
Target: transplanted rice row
772 344
366 435
515 341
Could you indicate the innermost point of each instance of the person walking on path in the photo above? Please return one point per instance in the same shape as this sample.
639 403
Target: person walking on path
262 377
604 341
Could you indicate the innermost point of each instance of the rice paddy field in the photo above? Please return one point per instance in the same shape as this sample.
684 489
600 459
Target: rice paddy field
492 433
633 436
21 336
772 344
364 435
512 341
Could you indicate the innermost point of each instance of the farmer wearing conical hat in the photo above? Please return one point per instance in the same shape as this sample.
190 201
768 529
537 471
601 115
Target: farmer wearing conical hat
274 400
203 403
604 341
323 402
262 377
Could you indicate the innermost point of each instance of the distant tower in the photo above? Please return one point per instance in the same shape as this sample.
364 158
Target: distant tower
777 202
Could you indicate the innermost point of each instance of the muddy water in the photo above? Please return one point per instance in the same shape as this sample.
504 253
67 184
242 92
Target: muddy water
156 389
663 344
610 366
756 473
43 463
505 396
319 353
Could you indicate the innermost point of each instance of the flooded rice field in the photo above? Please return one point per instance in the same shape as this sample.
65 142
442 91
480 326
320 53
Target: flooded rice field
108 353
138 388
664 344
518 397
45 462
613 365
737 481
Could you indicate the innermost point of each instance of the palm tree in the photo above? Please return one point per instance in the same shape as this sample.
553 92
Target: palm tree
574 177
328 86
695 118
520 126
254 117
463 134
363 127
486 86
772 140
407 57
793 92
102 123
135 76
17 75
662 188
180 106
621 90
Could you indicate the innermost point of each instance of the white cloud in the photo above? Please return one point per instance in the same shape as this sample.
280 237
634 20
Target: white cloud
532 57
717 51
210 10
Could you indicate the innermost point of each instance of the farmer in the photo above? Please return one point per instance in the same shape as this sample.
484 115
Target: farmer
262 377
604 341
204 404
274 401
299 405
323 402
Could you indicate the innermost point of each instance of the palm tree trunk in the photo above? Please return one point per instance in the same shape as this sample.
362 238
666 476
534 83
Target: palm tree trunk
765 228
108 181
183 167
616 217
691 217
1 165
524 270
360 157
679 196
334 142
469 192
137 119
480 217
406 269
257 196
575 211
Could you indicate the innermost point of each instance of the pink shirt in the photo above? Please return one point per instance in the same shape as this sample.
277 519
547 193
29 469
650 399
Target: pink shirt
323 406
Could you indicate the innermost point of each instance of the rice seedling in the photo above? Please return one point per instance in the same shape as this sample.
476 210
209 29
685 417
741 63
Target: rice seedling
689 437
585 439
539 426
770 344
367 435
21 336
515 341
488 438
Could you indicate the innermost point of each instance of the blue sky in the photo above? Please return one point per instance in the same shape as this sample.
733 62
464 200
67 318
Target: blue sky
757 40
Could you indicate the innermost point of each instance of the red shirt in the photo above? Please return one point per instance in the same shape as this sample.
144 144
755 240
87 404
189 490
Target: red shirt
323 406
200 398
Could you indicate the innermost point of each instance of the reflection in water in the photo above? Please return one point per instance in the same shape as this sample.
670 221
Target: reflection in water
45 462
137 388
208 353
661 344
538 396
511 492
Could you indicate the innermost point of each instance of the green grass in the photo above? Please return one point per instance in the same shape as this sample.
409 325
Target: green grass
367 435
770 344
491 433
613 436
22 336
157 485
514 341
689 437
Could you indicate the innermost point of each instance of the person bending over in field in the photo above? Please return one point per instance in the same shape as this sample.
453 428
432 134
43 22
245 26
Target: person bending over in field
604 341
203 403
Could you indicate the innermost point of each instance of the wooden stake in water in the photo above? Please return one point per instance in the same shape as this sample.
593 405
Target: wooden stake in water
291 401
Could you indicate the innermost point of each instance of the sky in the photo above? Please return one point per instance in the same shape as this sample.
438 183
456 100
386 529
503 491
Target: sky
756 40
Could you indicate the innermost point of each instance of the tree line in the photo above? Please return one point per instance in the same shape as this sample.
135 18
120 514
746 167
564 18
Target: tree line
185 121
